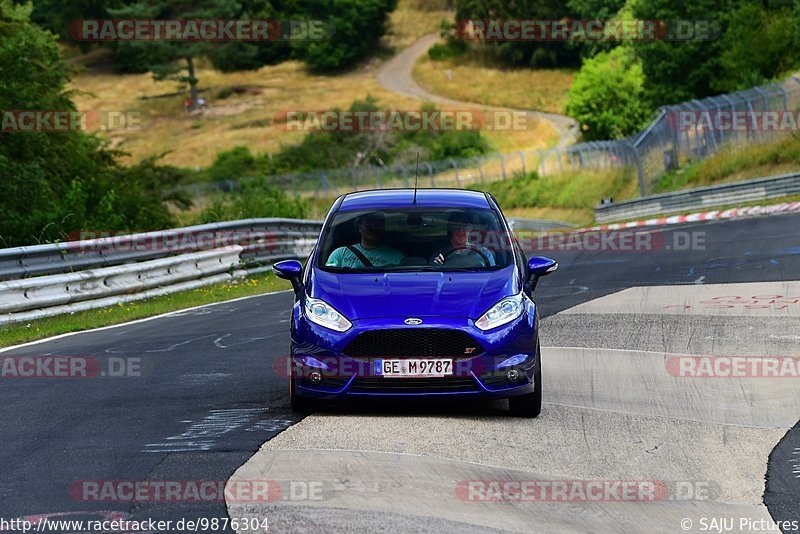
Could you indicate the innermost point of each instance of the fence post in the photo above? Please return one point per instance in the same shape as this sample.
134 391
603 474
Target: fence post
730 101
430 172
352 173
639 171
503 166
480 170
758 133
455 168
522 159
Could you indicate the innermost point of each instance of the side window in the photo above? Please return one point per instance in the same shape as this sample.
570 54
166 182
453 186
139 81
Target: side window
521 257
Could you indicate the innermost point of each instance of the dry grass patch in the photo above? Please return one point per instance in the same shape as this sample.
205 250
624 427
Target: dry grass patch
414 19
471 79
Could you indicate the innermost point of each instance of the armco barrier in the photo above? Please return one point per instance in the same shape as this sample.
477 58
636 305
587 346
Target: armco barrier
46 280
702 197
59 289
537 225
261 238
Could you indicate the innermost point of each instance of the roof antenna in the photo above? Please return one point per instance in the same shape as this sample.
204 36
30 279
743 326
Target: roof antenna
416 179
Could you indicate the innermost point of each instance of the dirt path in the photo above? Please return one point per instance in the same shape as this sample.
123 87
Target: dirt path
396 75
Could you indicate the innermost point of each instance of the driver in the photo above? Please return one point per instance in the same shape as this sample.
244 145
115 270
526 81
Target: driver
371 251
459 227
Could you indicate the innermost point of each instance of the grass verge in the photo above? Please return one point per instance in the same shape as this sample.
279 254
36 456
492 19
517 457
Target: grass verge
569 197
16 333
470 79
734 164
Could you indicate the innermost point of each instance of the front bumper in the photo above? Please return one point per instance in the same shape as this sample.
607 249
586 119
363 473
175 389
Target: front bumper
321 351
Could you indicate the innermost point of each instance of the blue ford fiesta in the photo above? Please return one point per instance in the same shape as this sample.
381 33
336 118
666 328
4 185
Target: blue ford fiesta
413 294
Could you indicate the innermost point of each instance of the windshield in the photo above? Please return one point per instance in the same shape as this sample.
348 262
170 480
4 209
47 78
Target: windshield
415 239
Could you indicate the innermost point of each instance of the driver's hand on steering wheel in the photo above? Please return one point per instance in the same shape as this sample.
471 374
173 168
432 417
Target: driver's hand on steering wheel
439 260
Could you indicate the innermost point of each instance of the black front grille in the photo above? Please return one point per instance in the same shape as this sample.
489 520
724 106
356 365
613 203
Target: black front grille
414 343
413 385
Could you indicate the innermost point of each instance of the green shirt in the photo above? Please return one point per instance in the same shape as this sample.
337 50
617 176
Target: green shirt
379 256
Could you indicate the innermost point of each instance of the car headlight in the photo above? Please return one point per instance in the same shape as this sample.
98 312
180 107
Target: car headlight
501 313
323 314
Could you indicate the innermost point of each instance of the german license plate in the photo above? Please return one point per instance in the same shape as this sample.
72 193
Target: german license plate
415 368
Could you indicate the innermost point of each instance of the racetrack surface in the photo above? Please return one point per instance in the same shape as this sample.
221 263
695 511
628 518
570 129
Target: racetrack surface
210 394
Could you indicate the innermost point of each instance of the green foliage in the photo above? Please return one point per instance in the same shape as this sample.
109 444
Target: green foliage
524 53
598 10
57 15
170 60
757 46
735 163
607 96
56 183
233 164
237 56
254 198
452 47
331 150
568 190
676 71
358 26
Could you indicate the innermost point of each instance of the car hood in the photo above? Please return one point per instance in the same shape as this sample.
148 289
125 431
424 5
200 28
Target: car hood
406 294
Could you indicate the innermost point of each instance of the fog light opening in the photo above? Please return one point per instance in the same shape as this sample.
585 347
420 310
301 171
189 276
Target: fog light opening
315 377
513 375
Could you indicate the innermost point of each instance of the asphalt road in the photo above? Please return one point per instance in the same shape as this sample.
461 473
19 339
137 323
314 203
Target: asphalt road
208 394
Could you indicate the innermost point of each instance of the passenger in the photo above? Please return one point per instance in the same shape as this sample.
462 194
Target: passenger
371 251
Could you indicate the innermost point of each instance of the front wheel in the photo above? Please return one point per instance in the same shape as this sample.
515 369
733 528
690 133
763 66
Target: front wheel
529 405
299 404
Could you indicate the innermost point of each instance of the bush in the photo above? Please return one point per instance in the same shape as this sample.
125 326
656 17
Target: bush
331 150
238 56
255 198
233 164
452 47
607 96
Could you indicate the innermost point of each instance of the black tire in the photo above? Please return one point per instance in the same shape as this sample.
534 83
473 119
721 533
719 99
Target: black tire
299 404
529 405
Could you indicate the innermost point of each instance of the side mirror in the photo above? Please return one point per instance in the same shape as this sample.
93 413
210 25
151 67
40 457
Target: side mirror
539 266
291 270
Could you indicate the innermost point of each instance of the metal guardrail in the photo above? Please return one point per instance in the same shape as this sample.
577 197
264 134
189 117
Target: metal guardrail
262 239
537 225
58 289
701 197
46 280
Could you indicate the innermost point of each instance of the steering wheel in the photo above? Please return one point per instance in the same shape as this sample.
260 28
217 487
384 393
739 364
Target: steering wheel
471 249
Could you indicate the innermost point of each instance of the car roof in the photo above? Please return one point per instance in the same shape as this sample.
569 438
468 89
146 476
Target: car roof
396 198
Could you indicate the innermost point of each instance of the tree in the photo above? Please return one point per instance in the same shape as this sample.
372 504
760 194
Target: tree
524 53
607 96
758 45
174 60
357 25
676 71
56 183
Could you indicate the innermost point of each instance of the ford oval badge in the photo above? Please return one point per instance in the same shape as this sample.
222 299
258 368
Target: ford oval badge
413 320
